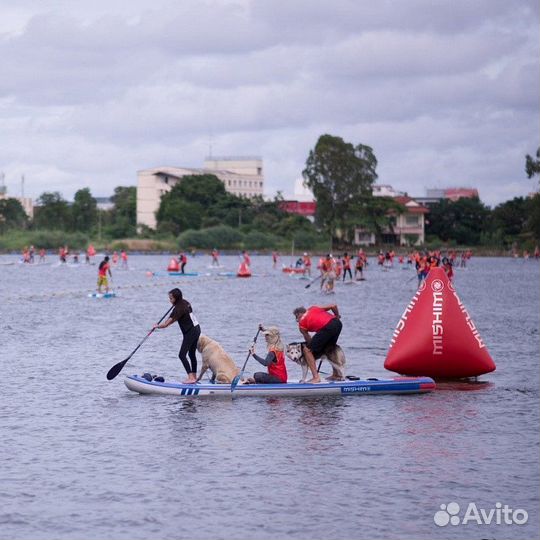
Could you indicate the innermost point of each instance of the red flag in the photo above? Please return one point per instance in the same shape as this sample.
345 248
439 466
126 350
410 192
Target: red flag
436 336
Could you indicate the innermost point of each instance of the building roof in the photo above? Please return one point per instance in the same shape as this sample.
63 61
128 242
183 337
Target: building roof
411 205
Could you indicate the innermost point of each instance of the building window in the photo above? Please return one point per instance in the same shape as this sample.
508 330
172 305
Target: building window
411 220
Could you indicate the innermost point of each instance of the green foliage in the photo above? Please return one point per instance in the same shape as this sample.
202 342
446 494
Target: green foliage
53 212
309 239
463 220
508 220
340 176
532 166
84 210
260 240
222 237
189 202
125 203
375 215
292 224
15 240
12 215
532 225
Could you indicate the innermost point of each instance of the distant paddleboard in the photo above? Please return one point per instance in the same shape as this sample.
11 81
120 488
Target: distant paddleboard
110 294
176 274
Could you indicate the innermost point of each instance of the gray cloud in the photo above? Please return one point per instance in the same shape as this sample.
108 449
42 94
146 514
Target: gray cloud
446 92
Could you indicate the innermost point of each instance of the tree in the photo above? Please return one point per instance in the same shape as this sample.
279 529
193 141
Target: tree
12 215
189 202
509 219
376 215
53 212
122 219
532 166
340 176
84 210
463 220
533 221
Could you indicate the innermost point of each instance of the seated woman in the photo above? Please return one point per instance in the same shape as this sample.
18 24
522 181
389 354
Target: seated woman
274 360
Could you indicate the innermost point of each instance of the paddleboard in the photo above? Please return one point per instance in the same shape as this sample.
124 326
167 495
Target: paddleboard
176 274
396 385
110 294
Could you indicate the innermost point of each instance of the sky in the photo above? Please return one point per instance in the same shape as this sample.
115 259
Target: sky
446 92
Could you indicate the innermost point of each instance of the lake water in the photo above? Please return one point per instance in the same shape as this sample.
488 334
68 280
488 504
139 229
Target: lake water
83 458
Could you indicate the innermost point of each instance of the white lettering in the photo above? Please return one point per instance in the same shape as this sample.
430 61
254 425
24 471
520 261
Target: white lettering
488 516
437 329
520 520
472 515
469 322
401 323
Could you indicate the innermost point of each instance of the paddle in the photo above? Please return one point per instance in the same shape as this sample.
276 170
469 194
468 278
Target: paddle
312 281
117 368
236 380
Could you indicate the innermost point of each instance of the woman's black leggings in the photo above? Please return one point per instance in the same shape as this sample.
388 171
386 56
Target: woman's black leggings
189 346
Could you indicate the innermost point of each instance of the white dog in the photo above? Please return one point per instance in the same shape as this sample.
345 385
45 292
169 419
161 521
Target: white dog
334 354
214 358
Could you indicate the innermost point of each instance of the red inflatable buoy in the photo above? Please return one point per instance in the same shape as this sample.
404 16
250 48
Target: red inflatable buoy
436 336
243 270
173 265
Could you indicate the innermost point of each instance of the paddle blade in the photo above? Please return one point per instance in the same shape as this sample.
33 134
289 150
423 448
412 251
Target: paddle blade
116 369
235 382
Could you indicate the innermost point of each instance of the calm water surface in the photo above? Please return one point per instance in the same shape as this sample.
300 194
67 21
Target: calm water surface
83 458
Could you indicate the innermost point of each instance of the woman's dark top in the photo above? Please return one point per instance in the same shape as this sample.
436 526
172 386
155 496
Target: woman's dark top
183 314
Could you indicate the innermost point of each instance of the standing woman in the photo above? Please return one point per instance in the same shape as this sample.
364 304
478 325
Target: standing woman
183 314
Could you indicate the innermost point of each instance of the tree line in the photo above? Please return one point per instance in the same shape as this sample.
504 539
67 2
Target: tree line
53 213
199 212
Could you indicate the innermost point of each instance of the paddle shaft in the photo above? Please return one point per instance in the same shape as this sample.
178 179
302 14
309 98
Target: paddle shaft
313 281
236 380
117 368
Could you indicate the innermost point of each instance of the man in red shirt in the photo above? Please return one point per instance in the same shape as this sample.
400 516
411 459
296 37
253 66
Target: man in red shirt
327 328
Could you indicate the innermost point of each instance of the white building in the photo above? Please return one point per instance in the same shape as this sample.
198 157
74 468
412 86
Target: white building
26 202
242 176
408 227
385 190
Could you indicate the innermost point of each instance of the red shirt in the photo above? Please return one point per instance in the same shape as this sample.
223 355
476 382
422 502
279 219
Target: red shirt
103 270
278 369
314 319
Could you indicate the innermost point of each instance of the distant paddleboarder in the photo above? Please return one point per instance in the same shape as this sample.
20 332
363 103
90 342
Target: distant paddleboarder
182 261
104 268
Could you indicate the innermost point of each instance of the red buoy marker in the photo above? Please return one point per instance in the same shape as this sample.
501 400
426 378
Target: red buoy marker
436 336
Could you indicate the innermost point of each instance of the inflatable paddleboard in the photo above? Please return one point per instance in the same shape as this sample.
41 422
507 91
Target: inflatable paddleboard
397 385
109 294
176 274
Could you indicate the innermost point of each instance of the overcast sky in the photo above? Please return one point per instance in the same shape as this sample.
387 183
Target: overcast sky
446 92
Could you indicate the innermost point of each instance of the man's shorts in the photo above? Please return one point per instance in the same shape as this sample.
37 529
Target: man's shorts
102 281
328 335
